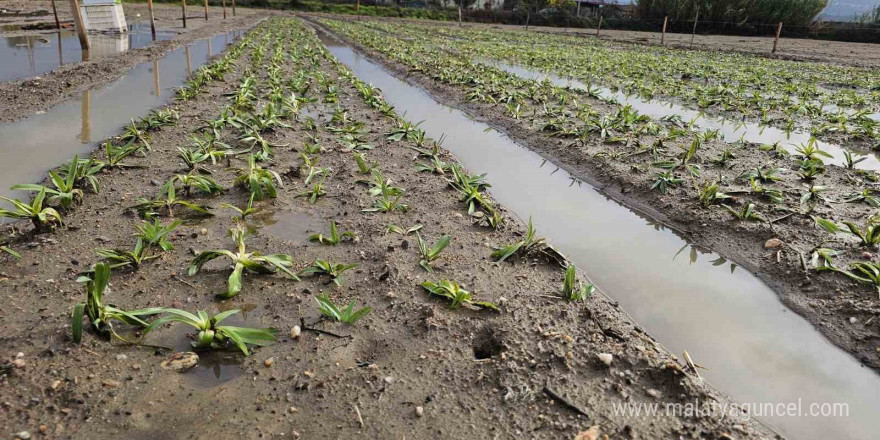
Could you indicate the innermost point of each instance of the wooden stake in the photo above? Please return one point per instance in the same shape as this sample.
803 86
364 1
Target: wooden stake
233 8
694 33
183 7
206 10
55 11
599 28
152 19
663 35
224 9
80 28
459 18
776 40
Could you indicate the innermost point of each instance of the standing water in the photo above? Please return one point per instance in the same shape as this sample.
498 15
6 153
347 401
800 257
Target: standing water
756 350
32 145
30 55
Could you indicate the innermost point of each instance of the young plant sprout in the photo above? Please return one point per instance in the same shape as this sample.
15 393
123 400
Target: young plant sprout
868 237
432 253
400 230
258 180
747 212
320 267
43 219
116 154
189 182
132 134
522 247
243 260
363 166
100 315
166 201
212 335
456 295
347 316
242 213
4 248
387 203
65 193
334 238
148 235
316 191
572 290
867 272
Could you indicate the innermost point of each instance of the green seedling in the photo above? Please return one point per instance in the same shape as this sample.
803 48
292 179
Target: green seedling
261 182
166 201
870 236
148 235
363 166
189 182
747 212
242 213
334 238
456 295
212 335
431 253
387 203
335 271
522 247
347 316
243 260
572 290
101 316
43 219
316 191
400 230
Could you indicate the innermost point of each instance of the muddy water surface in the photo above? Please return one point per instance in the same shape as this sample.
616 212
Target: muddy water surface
31 146
756 350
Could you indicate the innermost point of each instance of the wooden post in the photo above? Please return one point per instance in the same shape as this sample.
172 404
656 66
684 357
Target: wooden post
459 16
224 9
55 11
233 8
694 33
206 10
152 19
183 7
528 16
578 12
358 9
156 77
663 35
776 40
80 28
599 28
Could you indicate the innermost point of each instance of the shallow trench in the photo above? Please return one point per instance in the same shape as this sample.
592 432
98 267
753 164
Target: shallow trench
35 144
756 350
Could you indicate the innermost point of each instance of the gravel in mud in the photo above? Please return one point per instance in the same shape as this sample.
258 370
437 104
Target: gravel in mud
411 368
23 97
842 310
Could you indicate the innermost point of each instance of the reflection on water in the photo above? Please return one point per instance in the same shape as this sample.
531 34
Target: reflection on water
31 55
756 349
31 146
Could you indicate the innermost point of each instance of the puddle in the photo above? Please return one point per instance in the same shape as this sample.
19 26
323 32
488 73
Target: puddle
756 350
215 367
31 146
731 131
288 225
32 55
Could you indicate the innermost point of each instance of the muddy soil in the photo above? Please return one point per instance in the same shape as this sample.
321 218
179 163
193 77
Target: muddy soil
23 97
843 311
803 49
412 368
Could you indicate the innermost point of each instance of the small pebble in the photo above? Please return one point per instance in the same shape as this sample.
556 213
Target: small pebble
292 409
204 231
605 358
121 357
420 411
853 320
295 332
23 435
268 362
773 243
110 383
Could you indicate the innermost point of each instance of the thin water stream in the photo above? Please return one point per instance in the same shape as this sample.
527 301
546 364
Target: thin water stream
31 146
731 131
757 350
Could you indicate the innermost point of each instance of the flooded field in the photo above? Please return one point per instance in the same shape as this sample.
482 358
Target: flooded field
327 227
